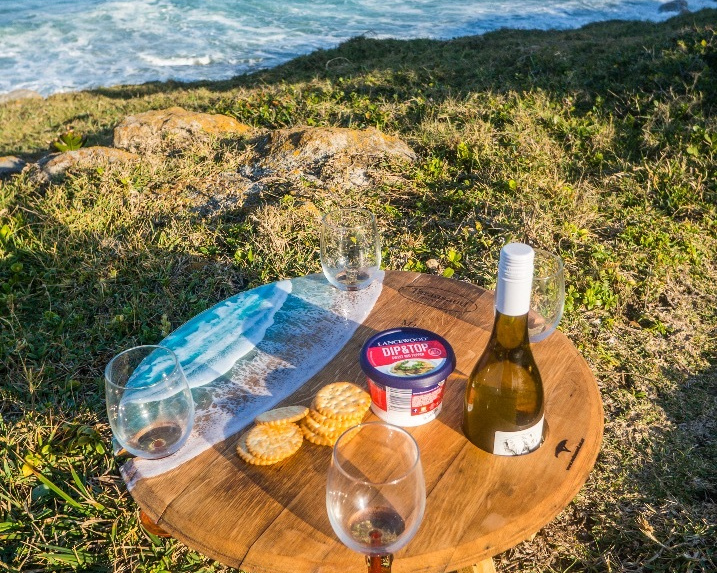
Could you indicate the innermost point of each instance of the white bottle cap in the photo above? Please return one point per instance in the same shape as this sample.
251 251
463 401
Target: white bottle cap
515 279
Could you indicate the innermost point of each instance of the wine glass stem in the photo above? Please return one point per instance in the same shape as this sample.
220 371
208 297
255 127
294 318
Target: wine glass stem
379 563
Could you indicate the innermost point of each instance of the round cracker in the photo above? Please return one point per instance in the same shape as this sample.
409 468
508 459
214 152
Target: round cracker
274 442
322 430
333 422
321 440
342 400
284 415
328 431
247 456
315 438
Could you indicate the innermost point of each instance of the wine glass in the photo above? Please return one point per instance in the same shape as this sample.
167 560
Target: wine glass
149 403
350 248
548 295
375 491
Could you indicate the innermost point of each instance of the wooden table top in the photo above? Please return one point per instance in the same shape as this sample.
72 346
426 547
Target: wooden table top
272 519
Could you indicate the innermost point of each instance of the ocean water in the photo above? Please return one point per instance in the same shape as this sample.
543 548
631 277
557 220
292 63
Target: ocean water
66 45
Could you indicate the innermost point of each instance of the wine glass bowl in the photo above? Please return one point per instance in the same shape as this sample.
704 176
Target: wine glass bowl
375 491
350 248
149 403
548 295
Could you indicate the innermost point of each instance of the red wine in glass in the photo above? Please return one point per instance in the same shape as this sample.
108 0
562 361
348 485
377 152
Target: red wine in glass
375 491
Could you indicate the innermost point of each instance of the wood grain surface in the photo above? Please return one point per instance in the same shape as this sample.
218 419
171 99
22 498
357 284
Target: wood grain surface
272 519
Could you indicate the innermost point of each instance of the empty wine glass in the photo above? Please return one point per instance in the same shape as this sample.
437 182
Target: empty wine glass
350 248
548 296
375 491
149 403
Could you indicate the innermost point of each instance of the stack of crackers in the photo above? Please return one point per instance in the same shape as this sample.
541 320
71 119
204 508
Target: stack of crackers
334 410
279 433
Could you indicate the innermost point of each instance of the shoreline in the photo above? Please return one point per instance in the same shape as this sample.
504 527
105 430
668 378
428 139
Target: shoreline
671 8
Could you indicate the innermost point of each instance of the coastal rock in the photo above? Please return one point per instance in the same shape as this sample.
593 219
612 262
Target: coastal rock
312 145
9 165
147 131
15 95
55 165
675 6
337 156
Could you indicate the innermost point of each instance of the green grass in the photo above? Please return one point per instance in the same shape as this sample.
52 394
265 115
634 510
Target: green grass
598 143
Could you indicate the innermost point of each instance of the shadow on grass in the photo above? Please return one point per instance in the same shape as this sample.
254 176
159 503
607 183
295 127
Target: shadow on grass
676 509
665 516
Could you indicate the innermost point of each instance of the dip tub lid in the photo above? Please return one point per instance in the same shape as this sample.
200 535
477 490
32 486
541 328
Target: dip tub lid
408 358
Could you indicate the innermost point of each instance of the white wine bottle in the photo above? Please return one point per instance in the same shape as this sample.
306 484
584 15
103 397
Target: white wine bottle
503 409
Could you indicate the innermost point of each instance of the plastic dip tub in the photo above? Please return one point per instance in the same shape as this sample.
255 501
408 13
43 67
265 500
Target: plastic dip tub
406 370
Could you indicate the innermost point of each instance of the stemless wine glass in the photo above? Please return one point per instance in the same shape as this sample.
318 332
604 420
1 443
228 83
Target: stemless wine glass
149 402
350 248
375 491
548 296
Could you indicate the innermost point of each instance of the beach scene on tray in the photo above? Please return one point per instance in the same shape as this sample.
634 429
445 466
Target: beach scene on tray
165 167
247 353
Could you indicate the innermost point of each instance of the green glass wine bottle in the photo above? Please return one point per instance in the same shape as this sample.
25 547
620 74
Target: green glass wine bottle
503 410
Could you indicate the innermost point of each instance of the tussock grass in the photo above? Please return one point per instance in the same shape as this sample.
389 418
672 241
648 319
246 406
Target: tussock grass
598 143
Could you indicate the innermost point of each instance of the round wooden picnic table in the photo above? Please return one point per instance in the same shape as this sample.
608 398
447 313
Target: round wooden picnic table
272 519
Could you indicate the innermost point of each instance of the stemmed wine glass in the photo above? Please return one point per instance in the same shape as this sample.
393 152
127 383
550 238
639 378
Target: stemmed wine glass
350 248
375 491
548 295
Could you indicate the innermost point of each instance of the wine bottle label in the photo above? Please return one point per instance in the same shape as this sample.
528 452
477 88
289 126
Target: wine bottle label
518 443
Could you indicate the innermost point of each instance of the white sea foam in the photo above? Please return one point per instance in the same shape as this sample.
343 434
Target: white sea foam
79 44
178 61
293 336
211 343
